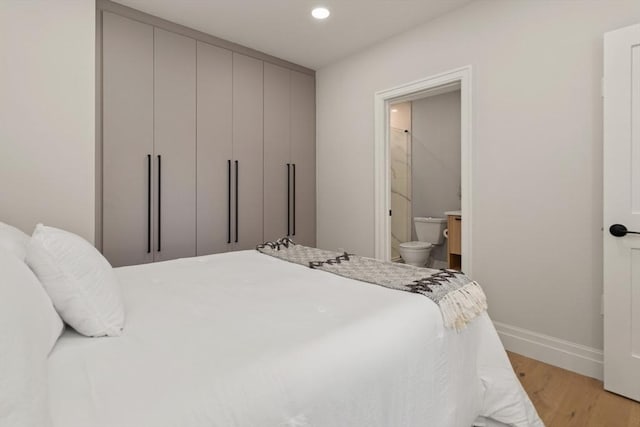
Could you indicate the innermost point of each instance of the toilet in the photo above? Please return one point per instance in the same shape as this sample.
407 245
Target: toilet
430 234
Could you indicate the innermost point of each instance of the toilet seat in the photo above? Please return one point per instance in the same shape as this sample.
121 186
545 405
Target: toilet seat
416 245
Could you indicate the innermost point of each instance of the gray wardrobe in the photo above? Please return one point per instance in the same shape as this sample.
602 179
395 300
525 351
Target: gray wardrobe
204 149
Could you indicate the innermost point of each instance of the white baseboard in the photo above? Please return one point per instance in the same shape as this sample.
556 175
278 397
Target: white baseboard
554 351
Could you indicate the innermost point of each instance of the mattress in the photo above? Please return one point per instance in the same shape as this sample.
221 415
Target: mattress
244 339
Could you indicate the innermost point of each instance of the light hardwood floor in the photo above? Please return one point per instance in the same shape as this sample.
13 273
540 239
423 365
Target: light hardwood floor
566 399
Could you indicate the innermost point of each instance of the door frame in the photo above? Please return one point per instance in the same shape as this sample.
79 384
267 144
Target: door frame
383 99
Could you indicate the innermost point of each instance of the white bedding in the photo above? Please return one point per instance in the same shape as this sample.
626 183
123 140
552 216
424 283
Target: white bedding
244 339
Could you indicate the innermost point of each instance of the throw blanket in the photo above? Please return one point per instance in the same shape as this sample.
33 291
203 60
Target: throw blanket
460 299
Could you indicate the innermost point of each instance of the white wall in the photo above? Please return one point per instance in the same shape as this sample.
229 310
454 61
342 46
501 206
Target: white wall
435 148
537 135
47 104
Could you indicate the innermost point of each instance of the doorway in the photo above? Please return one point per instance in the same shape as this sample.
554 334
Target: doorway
424 138
385 134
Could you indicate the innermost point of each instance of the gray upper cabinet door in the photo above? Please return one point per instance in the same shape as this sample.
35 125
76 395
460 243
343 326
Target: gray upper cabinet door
303 156
175 145
214 141
277 152
127 139
247 150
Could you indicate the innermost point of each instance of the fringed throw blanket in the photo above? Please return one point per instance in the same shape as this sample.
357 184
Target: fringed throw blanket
460 299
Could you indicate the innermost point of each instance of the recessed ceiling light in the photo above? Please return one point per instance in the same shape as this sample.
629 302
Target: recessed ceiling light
394 110
320 13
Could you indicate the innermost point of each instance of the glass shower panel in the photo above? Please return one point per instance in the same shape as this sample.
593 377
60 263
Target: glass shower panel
400 151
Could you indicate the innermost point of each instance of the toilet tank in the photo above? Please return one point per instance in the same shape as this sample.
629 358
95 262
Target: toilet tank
430 229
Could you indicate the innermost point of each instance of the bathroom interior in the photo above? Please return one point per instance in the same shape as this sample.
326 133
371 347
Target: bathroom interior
426 218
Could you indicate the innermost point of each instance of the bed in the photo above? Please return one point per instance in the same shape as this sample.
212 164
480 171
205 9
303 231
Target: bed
245 339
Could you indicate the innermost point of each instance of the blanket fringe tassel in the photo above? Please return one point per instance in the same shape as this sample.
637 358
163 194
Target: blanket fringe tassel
463 305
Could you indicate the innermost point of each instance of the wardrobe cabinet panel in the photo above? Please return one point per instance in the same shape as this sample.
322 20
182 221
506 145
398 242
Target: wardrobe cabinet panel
175 145
204 150
214 141
127 140
277 152
248 150
303 155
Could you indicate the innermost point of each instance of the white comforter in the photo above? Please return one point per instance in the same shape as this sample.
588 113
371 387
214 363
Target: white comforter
244 339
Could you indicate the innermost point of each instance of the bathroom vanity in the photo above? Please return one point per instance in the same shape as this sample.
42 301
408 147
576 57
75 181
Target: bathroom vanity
454 245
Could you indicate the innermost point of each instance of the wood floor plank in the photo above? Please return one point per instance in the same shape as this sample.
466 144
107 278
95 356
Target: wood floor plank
634 416
566 399
610 410
545 387
577 406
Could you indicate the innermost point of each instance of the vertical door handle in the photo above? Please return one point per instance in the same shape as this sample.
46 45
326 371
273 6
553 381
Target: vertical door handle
148 203
237 177
294 199
159 203
288 199
229 201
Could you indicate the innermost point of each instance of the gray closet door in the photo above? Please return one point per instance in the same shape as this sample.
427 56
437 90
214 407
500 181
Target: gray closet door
175 145
127 139
277 152
247 150
214 140
303 155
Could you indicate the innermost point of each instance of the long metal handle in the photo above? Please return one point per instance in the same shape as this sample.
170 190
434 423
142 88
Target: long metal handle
288 199
237 177
294 199
159 203
229 201
620 230
148 203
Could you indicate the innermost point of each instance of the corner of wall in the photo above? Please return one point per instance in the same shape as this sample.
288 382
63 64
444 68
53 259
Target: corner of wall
554 351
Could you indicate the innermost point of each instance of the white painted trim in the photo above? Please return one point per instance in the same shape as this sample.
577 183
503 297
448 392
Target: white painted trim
382 181
554 351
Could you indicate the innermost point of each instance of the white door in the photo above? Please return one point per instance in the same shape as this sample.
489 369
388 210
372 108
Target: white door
622 207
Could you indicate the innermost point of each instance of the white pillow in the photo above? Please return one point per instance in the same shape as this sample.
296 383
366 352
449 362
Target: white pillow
79 280
13 240
29 327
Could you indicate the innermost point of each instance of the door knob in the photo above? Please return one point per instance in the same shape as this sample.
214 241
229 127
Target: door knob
620 230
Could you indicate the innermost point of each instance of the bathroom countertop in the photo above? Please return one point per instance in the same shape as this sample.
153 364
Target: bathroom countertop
453 213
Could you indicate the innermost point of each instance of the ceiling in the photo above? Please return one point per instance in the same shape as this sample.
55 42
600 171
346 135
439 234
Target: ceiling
285 28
